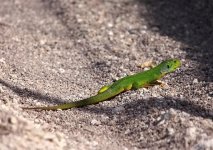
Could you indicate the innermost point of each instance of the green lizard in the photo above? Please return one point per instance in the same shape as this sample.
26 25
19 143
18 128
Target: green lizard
133 82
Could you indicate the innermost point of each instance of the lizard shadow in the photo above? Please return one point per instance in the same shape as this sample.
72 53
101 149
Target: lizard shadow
25 93
151 116
140 107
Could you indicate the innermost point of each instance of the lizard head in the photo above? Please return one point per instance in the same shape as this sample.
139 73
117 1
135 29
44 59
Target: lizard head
170 65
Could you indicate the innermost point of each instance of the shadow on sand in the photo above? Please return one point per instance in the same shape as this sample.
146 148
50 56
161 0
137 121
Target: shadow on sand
145 104
187 21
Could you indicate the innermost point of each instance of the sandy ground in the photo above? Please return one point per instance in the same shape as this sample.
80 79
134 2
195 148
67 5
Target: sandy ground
56 51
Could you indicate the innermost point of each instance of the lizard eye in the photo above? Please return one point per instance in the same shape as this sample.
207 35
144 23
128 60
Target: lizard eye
168 66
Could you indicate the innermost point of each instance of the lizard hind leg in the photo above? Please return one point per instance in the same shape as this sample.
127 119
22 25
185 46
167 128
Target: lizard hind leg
137 85
103 89
157 82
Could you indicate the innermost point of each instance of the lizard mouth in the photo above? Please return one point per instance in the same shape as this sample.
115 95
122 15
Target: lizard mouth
177 64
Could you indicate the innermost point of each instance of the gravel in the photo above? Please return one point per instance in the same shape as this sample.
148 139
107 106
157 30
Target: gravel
53 52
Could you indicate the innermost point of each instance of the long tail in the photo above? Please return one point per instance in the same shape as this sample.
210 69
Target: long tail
88 101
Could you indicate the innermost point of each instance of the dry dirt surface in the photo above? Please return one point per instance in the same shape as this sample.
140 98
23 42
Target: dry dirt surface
57 51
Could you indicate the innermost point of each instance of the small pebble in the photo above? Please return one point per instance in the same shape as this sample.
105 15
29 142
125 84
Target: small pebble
191 132
110 25
95 122
127 131
2 60
170 131
42 42
110 33
172 112
118 109
12 120
61 70
195 81
104 118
